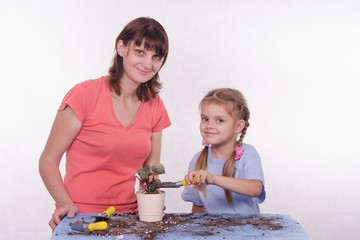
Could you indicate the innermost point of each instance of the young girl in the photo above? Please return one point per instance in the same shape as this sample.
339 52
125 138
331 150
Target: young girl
226 176
109 127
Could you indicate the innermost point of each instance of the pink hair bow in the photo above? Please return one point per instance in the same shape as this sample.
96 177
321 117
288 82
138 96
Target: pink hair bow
238 153
204 143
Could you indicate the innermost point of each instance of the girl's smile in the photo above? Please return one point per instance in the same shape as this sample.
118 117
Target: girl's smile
210 133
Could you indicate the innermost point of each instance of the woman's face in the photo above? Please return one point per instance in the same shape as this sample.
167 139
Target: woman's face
140 65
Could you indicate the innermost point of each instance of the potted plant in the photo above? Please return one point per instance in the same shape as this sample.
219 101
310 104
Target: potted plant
150 199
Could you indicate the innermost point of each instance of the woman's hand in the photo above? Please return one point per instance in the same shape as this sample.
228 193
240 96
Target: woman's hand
200 177
68 210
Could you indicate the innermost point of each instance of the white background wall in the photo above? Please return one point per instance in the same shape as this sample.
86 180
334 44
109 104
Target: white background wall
297 62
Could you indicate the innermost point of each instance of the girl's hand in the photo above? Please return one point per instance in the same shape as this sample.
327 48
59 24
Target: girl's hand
200 177
68 210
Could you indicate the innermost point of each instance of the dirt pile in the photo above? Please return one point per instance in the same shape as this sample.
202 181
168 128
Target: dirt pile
196 224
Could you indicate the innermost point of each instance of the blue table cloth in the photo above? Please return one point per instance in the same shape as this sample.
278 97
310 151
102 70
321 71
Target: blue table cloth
189 226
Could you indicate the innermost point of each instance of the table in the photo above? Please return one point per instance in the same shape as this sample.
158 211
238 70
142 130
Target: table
190 226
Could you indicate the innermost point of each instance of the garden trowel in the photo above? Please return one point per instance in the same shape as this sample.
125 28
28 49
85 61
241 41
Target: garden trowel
85 227
173 184
105 215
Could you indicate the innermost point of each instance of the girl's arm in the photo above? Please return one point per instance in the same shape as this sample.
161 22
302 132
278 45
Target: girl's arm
64 130
251 188
197 209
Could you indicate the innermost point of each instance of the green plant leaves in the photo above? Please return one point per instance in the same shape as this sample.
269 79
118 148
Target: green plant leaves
158 168
144 172
153 186
148 183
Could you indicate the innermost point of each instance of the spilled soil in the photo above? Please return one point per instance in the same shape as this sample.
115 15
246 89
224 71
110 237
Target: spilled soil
196 224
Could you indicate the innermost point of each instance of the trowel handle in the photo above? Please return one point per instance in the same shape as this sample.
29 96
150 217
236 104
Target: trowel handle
97 226
109 211
184 183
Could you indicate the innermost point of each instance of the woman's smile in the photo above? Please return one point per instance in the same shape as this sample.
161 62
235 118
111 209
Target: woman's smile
143 72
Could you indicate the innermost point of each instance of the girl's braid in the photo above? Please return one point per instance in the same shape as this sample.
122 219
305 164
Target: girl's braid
245 116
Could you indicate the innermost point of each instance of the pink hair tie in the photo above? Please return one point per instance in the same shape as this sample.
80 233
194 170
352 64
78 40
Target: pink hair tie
204 143
238 153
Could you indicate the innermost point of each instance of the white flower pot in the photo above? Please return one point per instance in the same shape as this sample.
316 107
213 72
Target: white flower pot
151 206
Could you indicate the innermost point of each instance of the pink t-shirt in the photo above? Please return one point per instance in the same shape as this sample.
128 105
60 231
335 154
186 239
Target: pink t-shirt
103 159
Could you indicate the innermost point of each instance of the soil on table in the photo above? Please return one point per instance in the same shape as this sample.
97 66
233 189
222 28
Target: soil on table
120 224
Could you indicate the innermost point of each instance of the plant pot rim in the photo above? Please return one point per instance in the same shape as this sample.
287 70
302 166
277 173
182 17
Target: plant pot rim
143 192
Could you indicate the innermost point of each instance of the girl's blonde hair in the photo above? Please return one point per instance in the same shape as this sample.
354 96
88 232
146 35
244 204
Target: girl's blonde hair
235 104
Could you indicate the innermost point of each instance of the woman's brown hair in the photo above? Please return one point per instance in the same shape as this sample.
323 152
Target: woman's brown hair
235 103
152 33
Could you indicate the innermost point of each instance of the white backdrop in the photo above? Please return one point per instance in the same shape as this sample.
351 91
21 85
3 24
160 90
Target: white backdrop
297 63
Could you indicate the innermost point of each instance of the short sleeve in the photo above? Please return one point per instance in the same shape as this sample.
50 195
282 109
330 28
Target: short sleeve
262 196
252 164
189 194
161 118
253 170
79 99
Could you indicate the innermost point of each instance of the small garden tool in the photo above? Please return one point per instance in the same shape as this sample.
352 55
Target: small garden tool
105 215
173 184
85 227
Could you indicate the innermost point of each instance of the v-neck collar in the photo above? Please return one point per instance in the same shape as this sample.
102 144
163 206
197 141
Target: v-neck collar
111 106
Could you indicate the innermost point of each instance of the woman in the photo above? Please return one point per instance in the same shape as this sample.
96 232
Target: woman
109 127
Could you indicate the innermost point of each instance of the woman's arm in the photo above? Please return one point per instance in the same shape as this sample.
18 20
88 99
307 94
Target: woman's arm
64 130
154 156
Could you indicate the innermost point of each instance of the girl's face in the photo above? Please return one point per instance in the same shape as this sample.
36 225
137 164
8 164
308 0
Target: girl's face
140 65
217 126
